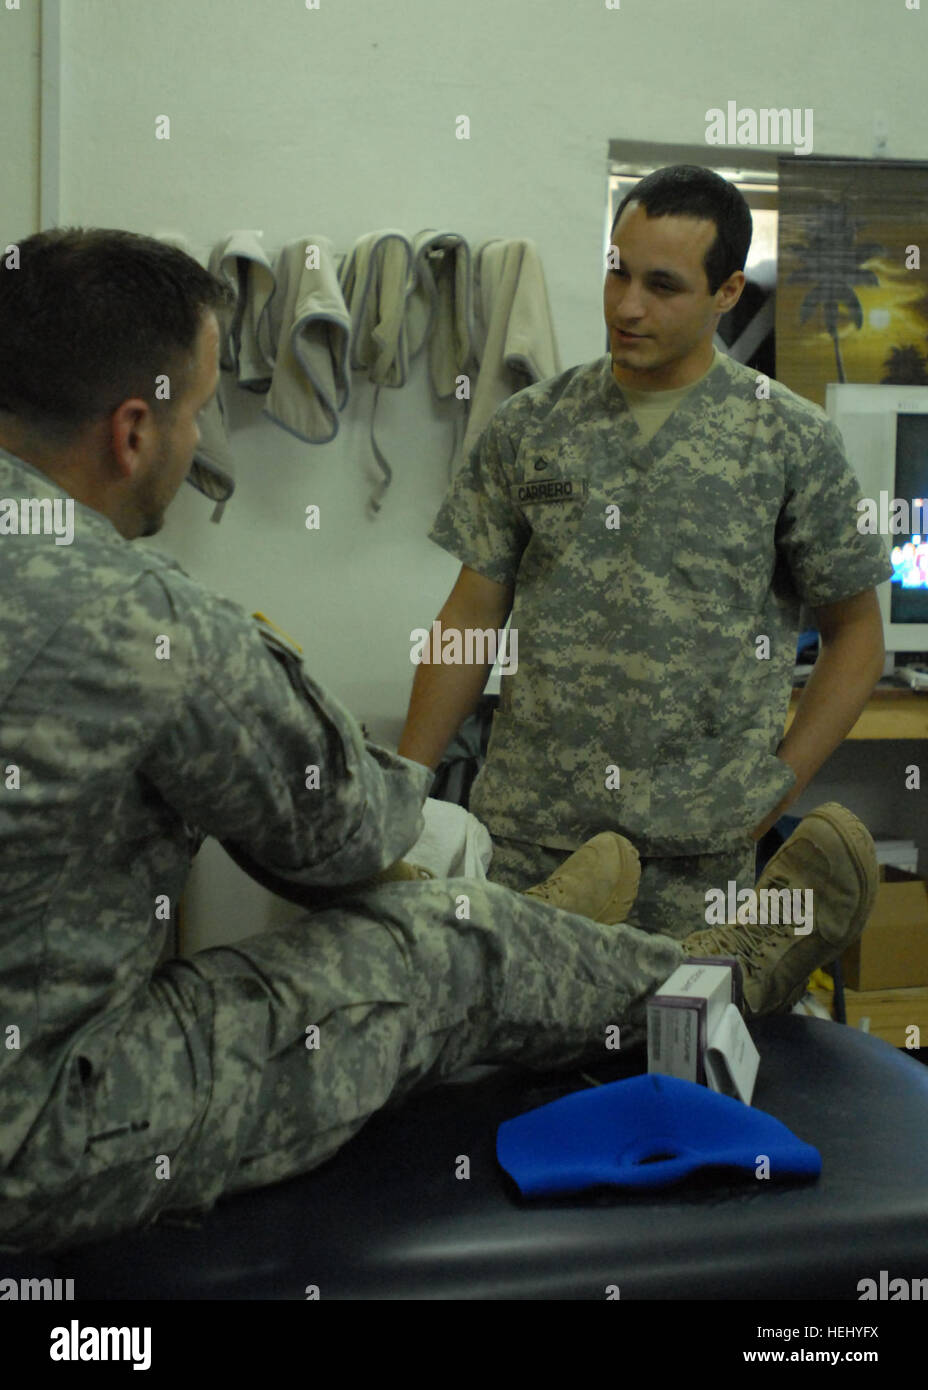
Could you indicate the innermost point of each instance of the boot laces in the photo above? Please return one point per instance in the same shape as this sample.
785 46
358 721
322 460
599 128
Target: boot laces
750 939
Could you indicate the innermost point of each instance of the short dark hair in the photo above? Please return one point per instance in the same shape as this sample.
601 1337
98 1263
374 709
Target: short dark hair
90 318
689 190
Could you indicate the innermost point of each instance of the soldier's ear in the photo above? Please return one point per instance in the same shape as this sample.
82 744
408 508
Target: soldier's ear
729 292
132 436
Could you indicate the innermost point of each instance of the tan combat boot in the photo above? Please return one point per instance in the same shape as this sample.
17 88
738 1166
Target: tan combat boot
830 852
599 880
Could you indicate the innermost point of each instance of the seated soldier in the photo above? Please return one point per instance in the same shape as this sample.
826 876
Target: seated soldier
140 713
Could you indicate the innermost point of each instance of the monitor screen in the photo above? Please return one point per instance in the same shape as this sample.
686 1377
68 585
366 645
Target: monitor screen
909 553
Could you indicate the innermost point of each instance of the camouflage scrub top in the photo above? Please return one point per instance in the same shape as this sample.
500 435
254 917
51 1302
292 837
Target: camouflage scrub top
645 577
119 753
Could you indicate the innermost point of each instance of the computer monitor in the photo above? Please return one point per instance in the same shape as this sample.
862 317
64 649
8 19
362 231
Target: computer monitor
885 433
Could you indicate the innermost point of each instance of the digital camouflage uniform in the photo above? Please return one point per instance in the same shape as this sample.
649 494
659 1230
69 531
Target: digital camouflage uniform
130 1090
638 628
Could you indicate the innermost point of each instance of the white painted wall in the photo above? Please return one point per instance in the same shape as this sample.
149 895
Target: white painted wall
19 121
340 120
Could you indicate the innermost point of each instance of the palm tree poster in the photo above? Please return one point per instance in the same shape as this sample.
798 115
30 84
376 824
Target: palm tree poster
852 296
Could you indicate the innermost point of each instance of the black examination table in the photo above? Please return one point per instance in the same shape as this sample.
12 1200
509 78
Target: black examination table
387 1218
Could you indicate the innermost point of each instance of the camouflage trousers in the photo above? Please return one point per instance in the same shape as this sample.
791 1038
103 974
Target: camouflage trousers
671 896
248 1064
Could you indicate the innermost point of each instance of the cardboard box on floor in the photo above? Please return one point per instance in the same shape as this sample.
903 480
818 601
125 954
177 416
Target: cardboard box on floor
892 953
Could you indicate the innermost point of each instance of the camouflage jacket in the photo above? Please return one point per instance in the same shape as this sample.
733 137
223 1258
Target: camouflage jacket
138 713
657 598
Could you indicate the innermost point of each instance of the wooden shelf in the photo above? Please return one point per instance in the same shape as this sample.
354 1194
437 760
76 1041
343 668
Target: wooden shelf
887 714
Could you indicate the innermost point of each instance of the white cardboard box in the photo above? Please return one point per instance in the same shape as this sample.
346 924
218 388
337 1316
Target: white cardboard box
696 1030
683 1015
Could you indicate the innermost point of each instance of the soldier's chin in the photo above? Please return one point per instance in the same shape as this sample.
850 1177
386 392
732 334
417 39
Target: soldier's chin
630 349
152 524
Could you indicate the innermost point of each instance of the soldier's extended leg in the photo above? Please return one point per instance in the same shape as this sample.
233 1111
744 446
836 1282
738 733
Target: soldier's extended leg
215 1080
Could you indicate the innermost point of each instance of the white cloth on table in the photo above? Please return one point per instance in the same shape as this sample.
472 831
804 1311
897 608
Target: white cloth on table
453 844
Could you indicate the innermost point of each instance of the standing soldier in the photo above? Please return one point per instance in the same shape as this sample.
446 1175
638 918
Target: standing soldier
653 521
